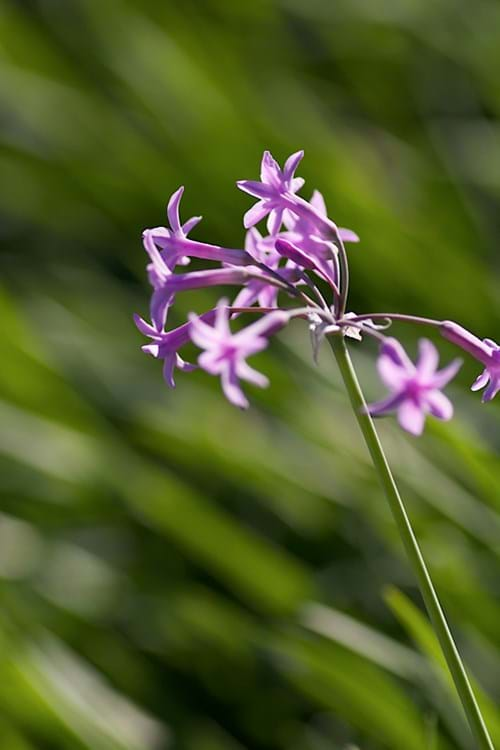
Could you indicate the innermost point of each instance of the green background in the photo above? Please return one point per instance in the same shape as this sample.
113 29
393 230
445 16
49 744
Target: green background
175 573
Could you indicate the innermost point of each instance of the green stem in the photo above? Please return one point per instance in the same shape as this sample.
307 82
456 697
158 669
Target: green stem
398 509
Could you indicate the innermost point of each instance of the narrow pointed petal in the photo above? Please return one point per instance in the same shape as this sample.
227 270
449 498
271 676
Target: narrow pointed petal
146 328
266 326
161 270
291 164
173 209
392 374
318 202
247 296
152 349
492 390
185 366
347 235
257 189
481 380
384 406
440 405
190 224
168 369
248 373
393 349
201 334
296 184
428 358
256 214
231 388
270 171
274 221
443 377
161 300
411 417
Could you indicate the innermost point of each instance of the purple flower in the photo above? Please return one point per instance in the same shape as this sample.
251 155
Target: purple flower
415 389
225 352
275 184
177 248
177 232
165 345
486 351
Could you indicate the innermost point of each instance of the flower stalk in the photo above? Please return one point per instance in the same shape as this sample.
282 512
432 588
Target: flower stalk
304 252
429 595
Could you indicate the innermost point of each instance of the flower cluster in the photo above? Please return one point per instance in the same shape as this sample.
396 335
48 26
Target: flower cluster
301 260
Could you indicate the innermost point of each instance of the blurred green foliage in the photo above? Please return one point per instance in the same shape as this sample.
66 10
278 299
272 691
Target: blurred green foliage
174 573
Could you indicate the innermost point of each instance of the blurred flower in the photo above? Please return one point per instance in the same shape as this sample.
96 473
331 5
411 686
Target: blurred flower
415 389
226 352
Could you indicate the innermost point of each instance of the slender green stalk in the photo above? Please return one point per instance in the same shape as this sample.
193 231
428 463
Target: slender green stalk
398 509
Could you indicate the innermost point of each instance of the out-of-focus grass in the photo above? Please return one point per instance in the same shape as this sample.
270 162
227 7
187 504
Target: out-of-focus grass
174 573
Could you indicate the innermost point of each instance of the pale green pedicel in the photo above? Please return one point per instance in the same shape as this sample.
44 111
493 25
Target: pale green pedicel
398 509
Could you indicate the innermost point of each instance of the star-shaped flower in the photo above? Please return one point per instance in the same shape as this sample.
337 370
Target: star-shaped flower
415 389
275 184
226 352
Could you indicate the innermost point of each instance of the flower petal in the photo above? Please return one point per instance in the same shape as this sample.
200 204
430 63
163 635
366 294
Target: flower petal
247 296
296 184
161 300
481 380
440 405
255 214
428 358
386 405
203 335
146 328
443 377
244 371
190 224
231 387
392 374
168 369
393 349
173 210
274 221
347 235
492 390
318 202
411 417
270 172
291 164
257 189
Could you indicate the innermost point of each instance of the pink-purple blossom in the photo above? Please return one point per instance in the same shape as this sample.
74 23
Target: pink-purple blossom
275 186
225 353
415 390
298 269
